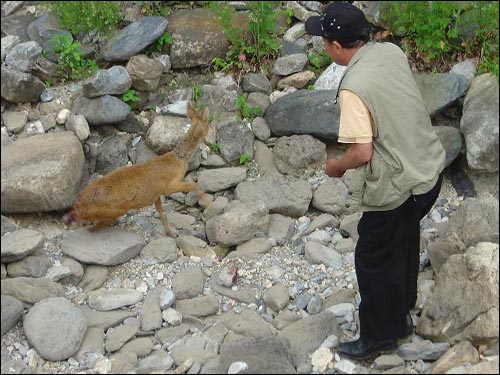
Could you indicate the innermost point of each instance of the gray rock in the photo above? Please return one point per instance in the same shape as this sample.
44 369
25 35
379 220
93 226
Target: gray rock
277 297
247 323
168 336
193 46
425 350
200 306
113 81
92 344
316 253
480 122
330 196
19 87
110 299
49 167
12 310
165 132
462 353
8 225
451 139
104 319
31 290
253 82
94 277
156 361
119 336
144 72
10 7
330 78
55 328
265 355
441 89
123 362
238 224
235 139
281 194
109 247
22 56
141 346
103 110
17 25
307 334
298 152
31 266
465 314
292 114
151 314
20 243
213 180
188 283
161 250
15 121
287 65
134 38
281 228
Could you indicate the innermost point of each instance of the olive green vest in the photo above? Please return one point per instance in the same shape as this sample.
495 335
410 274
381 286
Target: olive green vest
407 154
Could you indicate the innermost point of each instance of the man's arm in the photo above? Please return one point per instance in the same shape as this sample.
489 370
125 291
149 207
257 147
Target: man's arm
357 155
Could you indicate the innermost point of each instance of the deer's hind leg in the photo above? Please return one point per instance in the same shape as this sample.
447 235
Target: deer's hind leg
159 208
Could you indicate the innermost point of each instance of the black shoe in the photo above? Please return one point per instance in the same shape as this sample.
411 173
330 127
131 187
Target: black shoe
363 348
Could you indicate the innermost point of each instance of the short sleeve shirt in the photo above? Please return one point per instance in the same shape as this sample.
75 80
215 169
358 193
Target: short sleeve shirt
356 122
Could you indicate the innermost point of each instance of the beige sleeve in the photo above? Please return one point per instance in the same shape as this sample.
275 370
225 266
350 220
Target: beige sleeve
356 122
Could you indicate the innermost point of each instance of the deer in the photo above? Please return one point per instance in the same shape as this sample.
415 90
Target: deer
108 197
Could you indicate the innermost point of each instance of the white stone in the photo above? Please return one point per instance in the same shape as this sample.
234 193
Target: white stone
237 367
321 358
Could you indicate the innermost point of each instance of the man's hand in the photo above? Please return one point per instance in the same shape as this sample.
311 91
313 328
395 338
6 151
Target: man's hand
357 155
333 168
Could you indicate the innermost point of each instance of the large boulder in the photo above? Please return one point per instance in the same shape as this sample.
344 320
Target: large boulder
41 173
464 303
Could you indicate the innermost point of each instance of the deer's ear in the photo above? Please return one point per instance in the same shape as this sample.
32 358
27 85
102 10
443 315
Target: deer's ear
204 116
190 110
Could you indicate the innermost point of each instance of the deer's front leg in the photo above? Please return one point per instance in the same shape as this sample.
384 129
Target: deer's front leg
159 208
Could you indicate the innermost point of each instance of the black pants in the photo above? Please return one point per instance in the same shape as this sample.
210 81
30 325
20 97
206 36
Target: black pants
387 262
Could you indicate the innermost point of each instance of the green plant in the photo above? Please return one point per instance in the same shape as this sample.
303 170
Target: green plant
263 43
289 14
197 92
85 16
214 147
244 110
314 59
430 30
244 159
220 64
155 8
130 96
47 83
70 63
485 41
164 39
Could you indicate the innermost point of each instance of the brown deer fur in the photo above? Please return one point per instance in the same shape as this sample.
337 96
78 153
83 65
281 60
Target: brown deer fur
140 185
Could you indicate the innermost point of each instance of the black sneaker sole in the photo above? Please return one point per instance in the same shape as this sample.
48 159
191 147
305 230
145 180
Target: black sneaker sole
381 348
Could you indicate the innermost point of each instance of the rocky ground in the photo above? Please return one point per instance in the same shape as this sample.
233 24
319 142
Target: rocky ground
285 265
279 303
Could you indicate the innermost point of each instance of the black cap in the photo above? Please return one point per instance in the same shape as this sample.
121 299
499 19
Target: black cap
342 22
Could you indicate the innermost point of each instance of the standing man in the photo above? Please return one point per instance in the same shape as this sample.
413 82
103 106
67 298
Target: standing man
397 162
